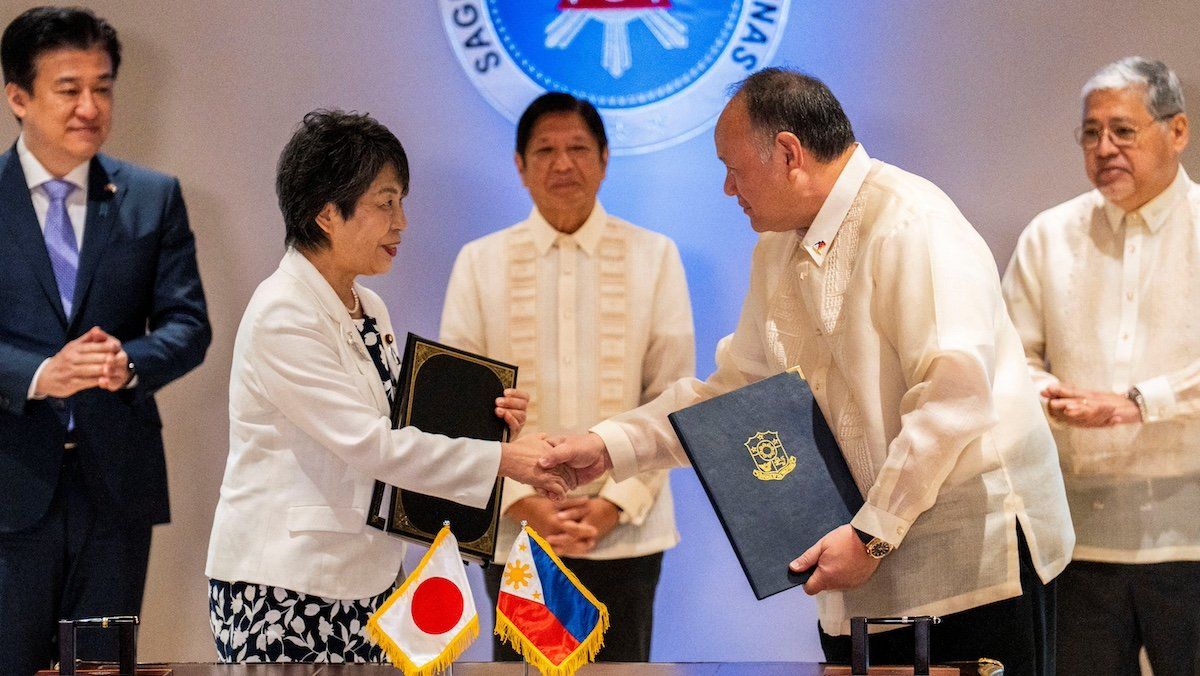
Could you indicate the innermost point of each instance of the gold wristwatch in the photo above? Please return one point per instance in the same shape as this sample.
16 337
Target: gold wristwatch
876 548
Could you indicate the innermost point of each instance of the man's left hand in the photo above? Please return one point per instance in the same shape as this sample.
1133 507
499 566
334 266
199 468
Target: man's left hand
115 374
841 562
1079 407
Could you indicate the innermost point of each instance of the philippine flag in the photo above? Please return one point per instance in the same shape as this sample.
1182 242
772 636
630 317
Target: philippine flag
430 620
543 611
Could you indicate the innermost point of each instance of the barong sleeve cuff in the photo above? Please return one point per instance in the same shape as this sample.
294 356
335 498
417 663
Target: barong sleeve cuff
883 525
620 449
1159 397
631 497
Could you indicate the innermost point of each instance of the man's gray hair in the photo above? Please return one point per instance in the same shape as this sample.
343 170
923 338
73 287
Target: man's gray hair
1164 96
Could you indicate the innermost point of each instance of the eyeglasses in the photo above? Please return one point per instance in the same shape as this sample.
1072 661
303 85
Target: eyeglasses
1121 134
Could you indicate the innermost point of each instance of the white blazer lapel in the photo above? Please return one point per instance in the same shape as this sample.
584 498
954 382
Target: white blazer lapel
365 374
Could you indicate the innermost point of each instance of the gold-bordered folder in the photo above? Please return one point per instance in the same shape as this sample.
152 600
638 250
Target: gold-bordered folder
444 390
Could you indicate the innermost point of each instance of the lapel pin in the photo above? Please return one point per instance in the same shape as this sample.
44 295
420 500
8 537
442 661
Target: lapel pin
389 338
110 188
820 246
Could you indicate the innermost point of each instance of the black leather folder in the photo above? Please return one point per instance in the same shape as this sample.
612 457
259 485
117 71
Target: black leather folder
444 390
773 472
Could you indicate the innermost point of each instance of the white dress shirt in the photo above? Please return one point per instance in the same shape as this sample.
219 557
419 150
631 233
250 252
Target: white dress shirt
598 322
309 433
890 305
1109 300
36 177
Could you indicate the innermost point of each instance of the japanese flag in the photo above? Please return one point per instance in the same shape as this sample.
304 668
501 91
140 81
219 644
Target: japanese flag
430 620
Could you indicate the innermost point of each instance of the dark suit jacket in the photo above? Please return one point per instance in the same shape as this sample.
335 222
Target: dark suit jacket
139 282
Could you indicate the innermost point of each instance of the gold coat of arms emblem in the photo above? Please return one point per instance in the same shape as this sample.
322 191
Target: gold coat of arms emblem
771 459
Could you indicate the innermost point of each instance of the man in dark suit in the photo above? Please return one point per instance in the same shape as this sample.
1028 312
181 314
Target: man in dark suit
100 306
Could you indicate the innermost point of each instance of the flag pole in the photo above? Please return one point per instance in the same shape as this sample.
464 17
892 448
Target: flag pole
525 523
449 668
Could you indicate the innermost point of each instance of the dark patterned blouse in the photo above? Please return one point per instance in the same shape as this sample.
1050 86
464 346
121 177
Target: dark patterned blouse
371 337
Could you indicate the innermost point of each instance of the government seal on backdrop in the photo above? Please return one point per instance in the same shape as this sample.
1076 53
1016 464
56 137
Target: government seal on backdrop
657 70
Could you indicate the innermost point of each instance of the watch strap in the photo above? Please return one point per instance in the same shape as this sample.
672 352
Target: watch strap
1136 396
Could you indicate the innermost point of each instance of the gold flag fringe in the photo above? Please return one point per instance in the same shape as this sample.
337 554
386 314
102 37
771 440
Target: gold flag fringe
438 664
397 657
585 653
587 649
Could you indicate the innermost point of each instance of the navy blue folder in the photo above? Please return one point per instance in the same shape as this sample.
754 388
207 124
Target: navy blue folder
773 472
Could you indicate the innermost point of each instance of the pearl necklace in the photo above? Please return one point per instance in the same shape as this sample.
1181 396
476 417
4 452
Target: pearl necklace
354 309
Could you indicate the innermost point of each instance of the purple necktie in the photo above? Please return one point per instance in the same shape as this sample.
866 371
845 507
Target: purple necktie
60 241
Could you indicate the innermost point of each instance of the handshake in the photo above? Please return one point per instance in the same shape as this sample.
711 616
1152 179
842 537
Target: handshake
554 465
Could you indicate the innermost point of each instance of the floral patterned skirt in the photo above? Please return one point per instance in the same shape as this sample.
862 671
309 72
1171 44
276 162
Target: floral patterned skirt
260 623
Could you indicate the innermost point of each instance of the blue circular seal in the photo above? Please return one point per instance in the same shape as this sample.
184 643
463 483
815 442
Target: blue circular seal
657 70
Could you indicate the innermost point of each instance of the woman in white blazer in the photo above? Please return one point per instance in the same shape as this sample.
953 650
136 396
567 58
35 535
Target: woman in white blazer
294 571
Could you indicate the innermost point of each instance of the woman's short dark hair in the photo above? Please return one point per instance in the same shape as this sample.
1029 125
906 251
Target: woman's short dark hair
779 99
45 29
332 159
559 102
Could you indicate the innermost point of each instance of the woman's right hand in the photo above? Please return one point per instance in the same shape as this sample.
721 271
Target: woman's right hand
519 461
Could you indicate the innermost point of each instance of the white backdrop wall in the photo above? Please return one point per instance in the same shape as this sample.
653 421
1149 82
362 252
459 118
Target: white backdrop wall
979 97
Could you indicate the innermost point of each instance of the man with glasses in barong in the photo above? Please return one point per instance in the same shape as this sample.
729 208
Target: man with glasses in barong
1103 291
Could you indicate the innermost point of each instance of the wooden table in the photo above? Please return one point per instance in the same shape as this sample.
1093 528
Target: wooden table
499 669
516 669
